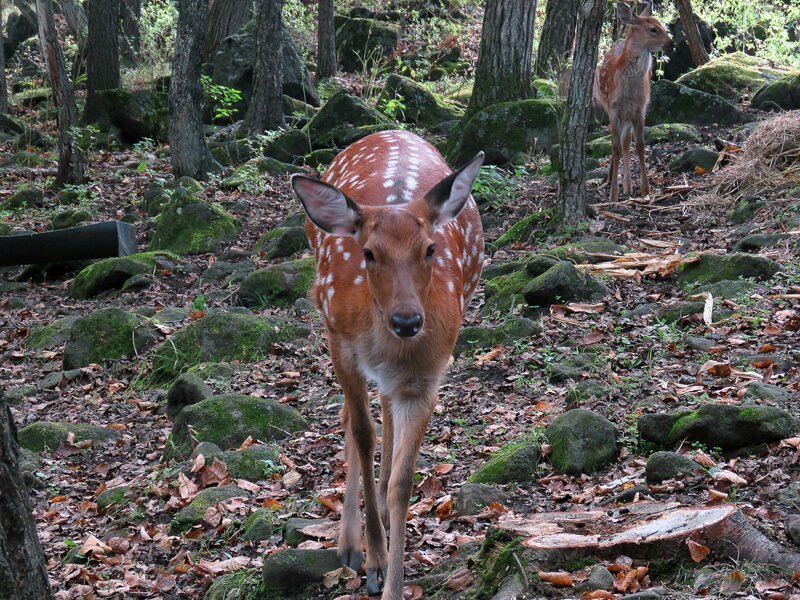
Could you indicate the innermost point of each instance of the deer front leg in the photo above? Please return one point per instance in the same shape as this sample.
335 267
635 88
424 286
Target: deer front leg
626 160
616 150
387 444
640 151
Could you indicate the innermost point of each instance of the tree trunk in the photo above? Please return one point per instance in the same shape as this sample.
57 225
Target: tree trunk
131 42
78 23
23 571
572 173
102 56
187 140
225 18
558 35
3 84
689 22
266 105
504 65
326 41
71 162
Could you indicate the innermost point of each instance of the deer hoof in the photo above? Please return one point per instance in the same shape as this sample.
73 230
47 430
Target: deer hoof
352 559
374 581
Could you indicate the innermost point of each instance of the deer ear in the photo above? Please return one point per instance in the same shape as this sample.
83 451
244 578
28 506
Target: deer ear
447 198
625 13
647 11
326 206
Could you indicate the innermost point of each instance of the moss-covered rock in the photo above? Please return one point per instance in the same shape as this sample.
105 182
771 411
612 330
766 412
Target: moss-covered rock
668 465
690 160
734 76
70 218
420 106
46 435
289 145
187 389
112 497
281 242
241 585
26 196
522 230
293 569
581 442
260 525
673 313
583 391
513 329
229 419
783 94
506 129
591 250
472 498
711 268
138 114
562 283
218 374
766 392
758 241
250 172
277 285
26 159
513 463
190 225
113 273
674 103
728 288
725 426
293 534
344 119
361 43
320 158
745 209
223 338
193 514
54 334
106 334
253 463
505 291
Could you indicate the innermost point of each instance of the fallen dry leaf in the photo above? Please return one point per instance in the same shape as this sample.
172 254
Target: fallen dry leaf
557 578
697 551
460 580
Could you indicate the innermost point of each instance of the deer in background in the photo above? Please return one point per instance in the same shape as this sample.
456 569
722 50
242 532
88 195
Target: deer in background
399 248
622 89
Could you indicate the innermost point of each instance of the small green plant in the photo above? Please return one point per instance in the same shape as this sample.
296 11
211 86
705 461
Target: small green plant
82 192
393 108
223 98
85 136
199 304
143 150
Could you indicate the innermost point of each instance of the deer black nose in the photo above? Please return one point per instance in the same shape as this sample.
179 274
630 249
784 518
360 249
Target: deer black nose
406 325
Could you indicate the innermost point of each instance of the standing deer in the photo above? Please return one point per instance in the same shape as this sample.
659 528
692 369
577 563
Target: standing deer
399 247
622 89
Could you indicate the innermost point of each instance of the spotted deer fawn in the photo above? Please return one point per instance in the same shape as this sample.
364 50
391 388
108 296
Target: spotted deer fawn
399 248
622 89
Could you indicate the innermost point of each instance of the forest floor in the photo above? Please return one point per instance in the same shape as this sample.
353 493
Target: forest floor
489 398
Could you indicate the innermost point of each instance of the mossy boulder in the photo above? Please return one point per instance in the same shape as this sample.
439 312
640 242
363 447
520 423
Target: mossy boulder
46 435
277 285
766 392
668 465
678 311
591 250
26 196
505 291
253 463
26 159
106 334
734 76
223 337
260 525
344 119
54 334
71 218
193 513
581 442
229 419
521 230
320 158
583 391
724 426
281 242
113 273
675 103
562 283
289 145
361 43
505 130
190 225
12 125
293 569
293 534
690 160
420 106
758 241
138 114
472 498
711 268
732 289
250 173
187 389
112 497
513 463
781 94
513 329
745 209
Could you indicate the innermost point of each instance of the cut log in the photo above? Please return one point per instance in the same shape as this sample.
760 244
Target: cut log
649 530
100 240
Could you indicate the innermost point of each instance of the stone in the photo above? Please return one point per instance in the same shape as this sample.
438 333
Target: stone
675 103
70 218
745 210
734 76
187 389
277 285
344 119
113 273
26 159
252 171
665 132
48 336
562 283
418 105
193 514
668 465
293 568
711 268
26 196
223 337
780 362
504 292
789 495
292 535
700 344
772 394
680 57
724 426
46 435
690 312
515 462
106 334
690 160
260 525
12 125
229 419
728 288
581 442
521 230
600 578
112 497
209 450
758 241
21 392
473 498
139 114
228 272
215 373
591 250
792 528
281 242
783 94
253 463
362 43
509 331
583 391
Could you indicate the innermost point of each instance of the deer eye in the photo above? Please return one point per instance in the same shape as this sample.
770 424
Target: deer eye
653 30
368 255
430 251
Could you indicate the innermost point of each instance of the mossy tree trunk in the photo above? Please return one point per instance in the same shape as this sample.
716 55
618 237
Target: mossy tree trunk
23 571
225 18
3 84
266 106
71 162
690 28
189 151
131 41
558 35
102 56
326 41
572 172
504 68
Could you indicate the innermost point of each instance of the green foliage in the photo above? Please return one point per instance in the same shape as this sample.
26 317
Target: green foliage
222 98
158 25
393 107
85 136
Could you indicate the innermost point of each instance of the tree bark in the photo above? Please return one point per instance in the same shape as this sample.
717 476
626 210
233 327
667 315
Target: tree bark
689 22
504 66
189 151
23 571
71 162
131 43
78 23
102 56
225 18
266 105
3 84
572 173
558 36
326 41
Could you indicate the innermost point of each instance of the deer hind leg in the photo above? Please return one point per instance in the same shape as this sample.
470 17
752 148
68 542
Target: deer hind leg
640 151
387 444
616 150
627 134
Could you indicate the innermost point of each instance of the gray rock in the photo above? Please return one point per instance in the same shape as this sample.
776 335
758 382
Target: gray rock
16 394
512 463
46 435
674 103
228 271
282 242
673 313
584 390
294 568
113 496
277 285
757 241
292 534
187 389
193 514
780 362
728 288
581 442
260 525
711 268
208 449
792 528
668 465
343 119
758 390
253 464
511 330
789 496
25 197
362 42
698 343
421 107
689 160
600 578
562 283
781 94
472 498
